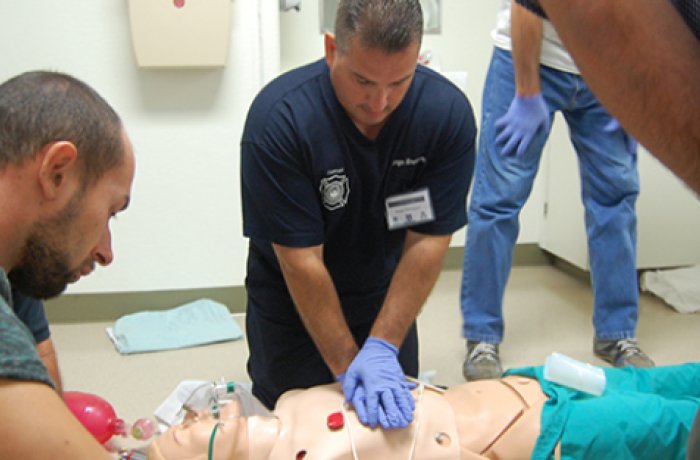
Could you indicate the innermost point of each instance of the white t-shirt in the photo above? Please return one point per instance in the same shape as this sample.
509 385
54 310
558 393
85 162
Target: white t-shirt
553 53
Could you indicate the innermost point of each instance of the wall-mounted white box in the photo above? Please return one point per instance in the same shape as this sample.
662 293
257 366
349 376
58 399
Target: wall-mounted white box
180 33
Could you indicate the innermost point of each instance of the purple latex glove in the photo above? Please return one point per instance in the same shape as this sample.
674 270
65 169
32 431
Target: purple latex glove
377 387
630 142
524 118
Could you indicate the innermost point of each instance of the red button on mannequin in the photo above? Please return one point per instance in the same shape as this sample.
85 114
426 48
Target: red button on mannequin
335 421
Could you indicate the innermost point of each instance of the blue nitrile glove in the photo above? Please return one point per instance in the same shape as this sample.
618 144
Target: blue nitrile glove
630 142
377 387
516 129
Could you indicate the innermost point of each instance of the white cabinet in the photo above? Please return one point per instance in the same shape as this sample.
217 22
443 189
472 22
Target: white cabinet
668 213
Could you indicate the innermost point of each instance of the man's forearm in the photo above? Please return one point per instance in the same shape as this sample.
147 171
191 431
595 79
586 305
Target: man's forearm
642 61
37 424
413 280
317 302
526 41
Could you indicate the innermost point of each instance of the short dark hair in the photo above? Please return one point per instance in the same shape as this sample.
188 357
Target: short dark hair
40 107
388 25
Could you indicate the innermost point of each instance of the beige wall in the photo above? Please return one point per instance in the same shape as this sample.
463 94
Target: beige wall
183 229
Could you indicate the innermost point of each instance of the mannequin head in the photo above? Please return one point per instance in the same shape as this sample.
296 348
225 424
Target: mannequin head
190 439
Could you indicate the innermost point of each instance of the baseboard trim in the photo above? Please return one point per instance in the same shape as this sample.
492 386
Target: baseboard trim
523 255
107 307
81 308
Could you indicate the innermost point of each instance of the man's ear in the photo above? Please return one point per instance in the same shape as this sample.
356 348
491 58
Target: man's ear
330 48
58 164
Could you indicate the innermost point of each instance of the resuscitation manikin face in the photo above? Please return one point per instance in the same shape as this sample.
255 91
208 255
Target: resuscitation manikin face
190 440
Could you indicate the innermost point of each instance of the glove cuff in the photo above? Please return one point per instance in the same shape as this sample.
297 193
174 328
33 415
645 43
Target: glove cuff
375 342
532 99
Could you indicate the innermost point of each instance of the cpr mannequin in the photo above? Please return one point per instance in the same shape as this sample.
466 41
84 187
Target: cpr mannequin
644 414
497 419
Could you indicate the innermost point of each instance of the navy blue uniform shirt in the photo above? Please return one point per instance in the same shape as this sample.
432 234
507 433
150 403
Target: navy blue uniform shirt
310 177
31 312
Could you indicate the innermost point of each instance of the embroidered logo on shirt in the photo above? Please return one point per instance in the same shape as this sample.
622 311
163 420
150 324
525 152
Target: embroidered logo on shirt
335 191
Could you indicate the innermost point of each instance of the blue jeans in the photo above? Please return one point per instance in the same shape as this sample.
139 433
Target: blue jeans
502 184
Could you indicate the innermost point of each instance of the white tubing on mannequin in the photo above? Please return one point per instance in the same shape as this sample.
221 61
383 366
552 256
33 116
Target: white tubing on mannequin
421 388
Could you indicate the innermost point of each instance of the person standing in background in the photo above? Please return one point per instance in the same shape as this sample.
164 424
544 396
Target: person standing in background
531 76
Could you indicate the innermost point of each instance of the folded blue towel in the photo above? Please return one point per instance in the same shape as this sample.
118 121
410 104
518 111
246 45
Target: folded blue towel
195 323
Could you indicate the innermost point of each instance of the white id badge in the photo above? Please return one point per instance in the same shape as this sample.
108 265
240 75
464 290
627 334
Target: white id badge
407 209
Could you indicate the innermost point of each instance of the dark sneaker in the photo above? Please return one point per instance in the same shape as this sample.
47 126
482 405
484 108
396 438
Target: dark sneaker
621 353
482 361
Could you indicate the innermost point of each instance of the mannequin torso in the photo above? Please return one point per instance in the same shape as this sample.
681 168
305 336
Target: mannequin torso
497 419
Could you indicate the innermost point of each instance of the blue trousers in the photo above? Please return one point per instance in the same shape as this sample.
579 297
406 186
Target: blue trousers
502 184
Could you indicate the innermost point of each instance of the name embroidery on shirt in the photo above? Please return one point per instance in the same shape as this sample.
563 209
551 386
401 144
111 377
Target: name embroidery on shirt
400 162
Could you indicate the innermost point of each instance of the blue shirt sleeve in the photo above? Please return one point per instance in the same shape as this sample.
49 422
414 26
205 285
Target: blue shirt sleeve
19 359
280 204
31 312
280 201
